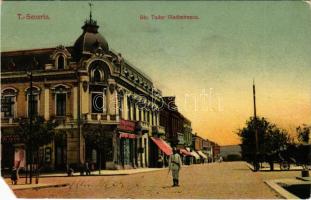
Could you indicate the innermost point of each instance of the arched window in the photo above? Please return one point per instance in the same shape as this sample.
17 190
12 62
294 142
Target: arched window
60 62
97 76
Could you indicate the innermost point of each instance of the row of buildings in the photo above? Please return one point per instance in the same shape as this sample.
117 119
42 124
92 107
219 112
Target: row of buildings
90 90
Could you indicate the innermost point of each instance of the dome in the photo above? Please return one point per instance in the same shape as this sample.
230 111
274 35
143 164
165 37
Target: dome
90 39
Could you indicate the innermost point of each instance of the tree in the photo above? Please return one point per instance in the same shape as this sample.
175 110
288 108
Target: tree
34 135
303 133
96 137
270 138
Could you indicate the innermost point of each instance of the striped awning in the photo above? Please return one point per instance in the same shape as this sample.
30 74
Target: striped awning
202 154
195 155
163 146
185 152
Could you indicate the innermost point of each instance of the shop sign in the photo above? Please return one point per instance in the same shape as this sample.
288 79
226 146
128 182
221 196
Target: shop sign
10 138
127 135
126 125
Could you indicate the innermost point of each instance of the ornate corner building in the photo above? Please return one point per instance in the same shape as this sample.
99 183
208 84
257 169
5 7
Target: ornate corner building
90 90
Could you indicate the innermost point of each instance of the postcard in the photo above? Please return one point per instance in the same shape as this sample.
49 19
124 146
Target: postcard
156 99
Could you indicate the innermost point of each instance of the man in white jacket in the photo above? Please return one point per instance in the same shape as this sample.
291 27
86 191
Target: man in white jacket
175 165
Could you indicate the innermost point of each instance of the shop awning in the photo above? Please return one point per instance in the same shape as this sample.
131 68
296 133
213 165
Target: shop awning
127 135
163 146
202 154
185 152
195 155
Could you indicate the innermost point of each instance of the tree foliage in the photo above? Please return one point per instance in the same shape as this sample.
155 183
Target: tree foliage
303 133
40 133
270 138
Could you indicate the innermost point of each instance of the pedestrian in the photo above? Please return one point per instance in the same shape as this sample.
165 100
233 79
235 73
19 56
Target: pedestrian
175 166
87 169
14 176
160 161
69 170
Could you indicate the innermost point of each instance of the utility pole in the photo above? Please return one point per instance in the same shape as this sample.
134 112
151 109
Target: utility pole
256 165
30 112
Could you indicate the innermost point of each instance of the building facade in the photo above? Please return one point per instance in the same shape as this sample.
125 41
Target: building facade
94 94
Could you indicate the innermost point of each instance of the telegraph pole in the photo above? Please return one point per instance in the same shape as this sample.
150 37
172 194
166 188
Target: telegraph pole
30 112
256 165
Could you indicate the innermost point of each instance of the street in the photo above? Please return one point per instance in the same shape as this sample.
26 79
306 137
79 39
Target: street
215 180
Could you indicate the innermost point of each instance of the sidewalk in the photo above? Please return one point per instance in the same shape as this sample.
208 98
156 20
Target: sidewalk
106 172
96 173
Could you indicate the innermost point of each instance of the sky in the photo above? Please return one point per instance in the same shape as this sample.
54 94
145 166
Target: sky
208 63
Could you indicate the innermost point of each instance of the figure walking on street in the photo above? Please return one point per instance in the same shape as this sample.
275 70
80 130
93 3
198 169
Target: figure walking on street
175 166
14 176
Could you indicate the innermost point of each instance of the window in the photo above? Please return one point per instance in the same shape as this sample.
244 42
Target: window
148 117
129 109
134 111
139 113
61 62
9 102
145 117
97 76
61 104
33 105
8 105
97 102
120 105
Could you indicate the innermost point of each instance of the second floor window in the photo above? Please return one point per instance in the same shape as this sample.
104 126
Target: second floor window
120 105
61 104
33 105
9 102
129 109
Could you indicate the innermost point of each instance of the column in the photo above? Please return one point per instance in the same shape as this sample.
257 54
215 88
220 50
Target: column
46 103
125 108
75 104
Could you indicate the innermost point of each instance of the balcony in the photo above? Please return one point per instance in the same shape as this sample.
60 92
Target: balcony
9 121
142 126
99 117
158 130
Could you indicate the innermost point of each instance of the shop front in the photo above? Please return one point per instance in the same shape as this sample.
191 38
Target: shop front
127 144
204 157
12 150
161 153
100 141
187 157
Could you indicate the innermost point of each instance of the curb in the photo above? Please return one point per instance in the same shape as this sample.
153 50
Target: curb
40 186
281 191
107 174
250 166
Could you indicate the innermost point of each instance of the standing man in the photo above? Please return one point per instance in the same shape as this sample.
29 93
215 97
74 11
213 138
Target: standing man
175 165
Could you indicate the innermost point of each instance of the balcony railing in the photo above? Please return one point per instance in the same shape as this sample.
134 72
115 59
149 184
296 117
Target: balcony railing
143 126
160 130
98 117
9 120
